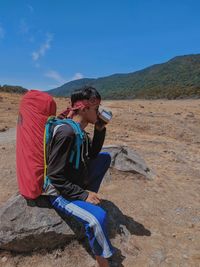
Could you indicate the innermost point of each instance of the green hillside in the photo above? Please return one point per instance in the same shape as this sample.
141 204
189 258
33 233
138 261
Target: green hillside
177 78
13 89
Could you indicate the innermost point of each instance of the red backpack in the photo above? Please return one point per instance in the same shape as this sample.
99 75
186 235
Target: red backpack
35 129
34 110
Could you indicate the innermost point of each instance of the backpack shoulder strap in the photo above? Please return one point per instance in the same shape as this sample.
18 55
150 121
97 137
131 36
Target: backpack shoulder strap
79 140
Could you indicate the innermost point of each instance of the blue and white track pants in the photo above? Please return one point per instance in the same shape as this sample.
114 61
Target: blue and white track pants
93 217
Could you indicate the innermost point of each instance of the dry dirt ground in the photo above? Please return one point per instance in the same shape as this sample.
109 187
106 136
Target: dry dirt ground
167 135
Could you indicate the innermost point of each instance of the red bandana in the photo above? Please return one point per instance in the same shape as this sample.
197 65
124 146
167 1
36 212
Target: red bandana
81 104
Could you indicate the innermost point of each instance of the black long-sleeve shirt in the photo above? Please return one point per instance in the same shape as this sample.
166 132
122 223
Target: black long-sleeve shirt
68 181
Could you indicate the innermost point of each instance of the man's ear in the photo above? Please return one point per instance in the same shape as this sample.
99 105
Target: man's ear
83 110
86 109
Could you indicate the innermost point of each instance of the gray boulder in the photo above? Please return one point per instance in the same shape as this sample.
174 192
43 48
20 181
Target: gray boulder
127 160
33 226
29 227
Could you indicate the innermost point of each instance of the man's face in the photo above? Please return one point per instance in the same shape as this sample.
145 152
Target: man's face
90 114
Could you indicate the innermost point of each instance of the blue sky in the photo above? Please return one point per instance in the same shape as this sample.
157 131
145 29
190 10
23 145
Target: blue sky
44 44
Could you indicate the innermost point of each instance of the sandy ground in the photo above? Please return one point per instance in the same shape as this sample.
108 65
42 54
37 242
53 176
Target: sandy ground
167 135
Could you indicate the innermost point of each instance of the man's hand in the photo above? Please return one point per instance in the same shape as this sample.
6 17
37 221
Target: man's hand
93 198
100 125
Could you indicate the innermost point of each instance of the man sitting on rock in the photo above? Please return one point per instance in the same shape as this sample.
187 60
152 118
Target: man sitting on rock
76 189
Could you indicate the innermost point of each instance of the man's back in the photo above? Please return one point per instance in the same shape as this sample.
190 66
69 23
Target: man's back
69 181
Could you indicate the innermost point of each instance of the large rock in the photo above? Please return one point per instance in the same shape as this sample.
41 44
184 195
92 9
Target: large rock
25 228
128 160
36 226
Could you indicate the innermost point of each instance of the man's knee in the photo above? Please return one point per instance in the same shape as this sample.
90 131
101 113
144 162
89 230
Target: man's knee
107 158
99 218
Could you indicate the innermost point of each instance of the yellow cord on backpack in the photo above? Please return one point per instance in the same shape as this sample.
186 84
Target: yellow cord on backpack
45 162
45 154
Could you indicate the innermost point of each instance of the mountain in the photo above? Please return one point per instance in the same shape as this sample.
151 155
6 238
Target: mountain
13 89
176 78
67 88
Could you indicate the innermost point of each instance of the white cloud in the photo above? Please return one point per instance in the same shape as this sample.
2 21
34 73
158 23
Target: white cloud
43 48
23 27
37 65
51 86
2 32
77 76
55 76
31 39
60 79
31 9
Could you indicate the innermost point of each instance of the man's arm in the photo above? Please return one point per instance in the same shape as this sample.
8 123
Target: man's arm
97 142
58 156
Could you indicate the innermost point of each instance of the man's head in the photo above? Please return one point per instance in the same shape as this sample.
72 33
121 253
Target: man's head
86 101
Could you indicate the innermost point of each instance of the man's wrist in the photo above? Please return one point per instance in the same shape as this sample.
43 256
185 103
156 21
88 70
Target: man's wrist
85 195
100 128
